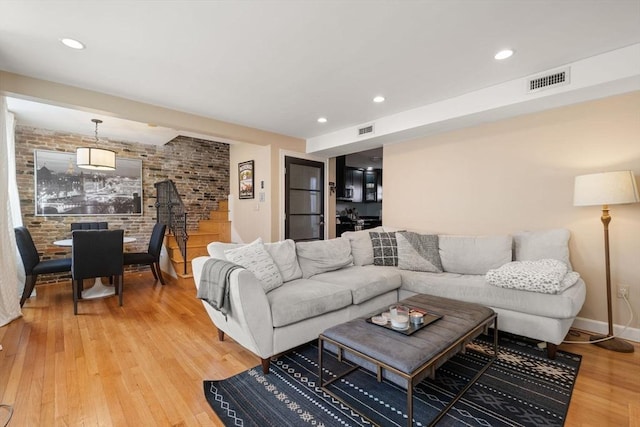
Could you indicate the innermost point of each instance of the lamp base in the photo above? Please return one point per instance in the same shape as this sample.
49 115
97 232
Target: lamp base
613 344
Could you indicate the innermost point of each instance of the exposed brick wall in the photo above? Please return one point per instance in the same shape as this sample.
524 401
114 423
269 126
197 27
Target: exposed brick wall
199 168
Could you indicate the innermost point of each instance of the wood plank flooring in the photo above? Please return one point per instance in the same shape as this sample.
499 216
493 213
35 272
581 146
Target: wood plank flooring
143 364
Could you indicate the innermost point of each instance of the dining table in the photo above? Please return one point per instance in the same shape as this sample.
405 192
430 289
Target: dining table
99 289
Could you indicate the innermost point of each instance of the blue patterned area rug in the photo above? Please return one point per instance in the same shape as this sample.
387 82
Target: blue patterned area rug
521 388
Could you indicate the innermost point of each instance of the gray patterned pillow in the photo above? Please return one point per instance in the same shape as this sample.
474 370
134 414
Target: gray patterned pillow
255 258
418 252
385 248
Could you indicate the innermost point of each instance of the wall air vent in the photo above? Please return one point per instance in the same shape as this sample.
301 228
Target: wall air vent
365 130
549 80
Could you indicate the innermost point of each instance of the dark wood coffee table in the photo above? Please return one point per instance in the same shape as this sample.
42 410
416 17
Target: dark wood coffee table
407 360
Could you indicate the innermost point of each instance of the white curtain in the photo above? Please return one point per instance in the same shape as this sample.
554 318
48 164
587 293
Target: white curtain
12 276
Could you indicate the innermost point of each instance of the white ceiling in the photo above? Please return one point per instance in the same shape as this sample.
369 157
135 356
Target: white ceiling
30 113
279 65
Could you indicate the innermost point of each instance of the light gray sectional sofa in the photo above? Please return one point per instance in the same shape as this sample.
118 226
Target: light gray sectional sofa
324 283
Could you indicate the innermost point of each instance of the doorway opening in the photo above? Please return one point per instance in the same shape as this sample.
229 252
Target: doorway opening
304 199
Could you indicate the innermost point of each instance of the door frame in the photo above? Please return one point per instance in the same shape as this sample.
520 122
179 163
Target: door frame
281 208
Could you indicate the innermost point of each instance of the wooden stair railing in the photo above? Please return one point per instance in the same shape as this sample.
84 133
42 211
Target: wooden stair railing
172 212
215 229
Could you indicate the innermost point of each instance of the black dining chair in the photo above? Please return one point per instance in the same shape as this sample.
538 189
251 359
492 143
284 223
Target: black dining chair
152 256
96 253
91 225
33 266
98 225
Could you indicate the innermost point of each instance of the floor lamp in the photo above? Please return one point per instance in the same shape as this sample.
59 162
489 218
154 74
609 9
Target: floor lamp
607 188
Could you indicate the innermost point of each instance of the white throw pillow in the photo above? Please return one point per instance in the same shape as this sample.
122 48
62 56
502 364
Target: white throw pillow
535 245
474 254
284 255
216 249
320 256
255 258
361 248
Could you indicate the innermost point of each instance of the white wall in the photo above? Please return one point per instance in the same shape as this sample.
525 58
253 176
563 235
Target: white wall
518 174
251 218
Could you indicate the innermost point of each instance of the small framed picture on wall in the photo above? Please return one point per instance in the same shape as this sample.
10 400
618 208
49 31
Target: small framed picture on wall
246 179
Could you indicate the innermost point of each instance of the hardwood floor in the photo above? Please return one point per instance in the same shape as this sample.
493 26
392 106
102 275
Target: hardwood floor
143 364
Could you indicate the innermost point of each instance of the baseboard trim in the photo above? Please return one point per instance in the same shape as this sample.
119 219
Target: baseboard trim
598 327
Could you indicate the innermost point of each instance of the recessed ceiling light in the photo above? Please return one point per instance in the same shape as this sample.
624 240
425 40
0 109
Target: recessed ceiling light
503 54
378 98
322 120
72 43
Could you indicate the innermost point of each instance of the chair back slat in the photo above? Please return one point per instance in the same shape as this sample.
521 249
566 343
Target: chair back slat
99 225
97 253
27 249
157 237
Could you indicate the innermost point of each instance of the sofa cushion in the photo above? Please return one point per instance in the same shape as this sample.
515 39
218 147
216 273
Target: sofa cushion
474 254
255 258
321 256
365 282
216 249
284 255
474 288
361 248
304 298
418 252
544 244
385 248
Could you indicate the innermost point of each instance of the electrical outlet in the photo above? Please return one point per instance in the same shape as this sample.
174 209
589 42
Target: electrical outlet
623 291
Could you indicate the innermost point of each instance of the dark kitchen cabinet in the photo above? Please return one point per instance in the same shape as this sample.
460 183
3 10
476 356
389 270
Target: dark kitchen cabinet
340 178
348 182
370 186
373 185
353 183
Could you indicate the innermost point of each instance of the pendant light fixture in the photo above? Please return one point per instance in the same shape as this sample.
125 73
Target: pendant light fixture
96 158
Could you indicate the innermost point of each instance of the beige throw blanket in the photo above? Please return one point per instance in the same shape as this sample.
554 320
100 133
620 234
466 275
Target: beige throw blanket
214 284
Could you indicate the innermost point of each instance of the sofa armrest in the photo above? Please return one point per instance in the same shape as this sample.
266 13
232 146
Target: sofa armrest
249 320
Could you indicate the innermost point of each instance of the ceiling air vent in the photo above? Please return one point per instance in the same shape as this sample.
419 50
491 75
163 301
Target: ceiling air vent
549 80
365 130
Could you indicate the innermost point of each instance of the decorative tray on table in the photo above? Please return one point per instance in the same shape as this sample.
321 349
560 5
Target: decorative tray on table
428 318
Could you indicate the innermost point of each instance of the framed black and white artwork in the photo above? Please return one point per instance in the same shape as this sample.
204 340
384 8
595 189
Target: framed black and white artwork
61 188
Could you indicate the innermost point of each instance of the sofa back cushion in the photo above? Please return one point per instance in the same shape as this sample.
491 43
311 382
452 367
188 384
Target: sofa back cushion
255 258
544 244
321 256
284 255
474 254
216 249
361 248
418 252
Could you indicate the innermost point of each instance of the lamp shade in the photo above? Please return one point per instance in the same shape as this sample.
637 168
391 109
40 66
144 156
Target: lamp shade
95 158
607 188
